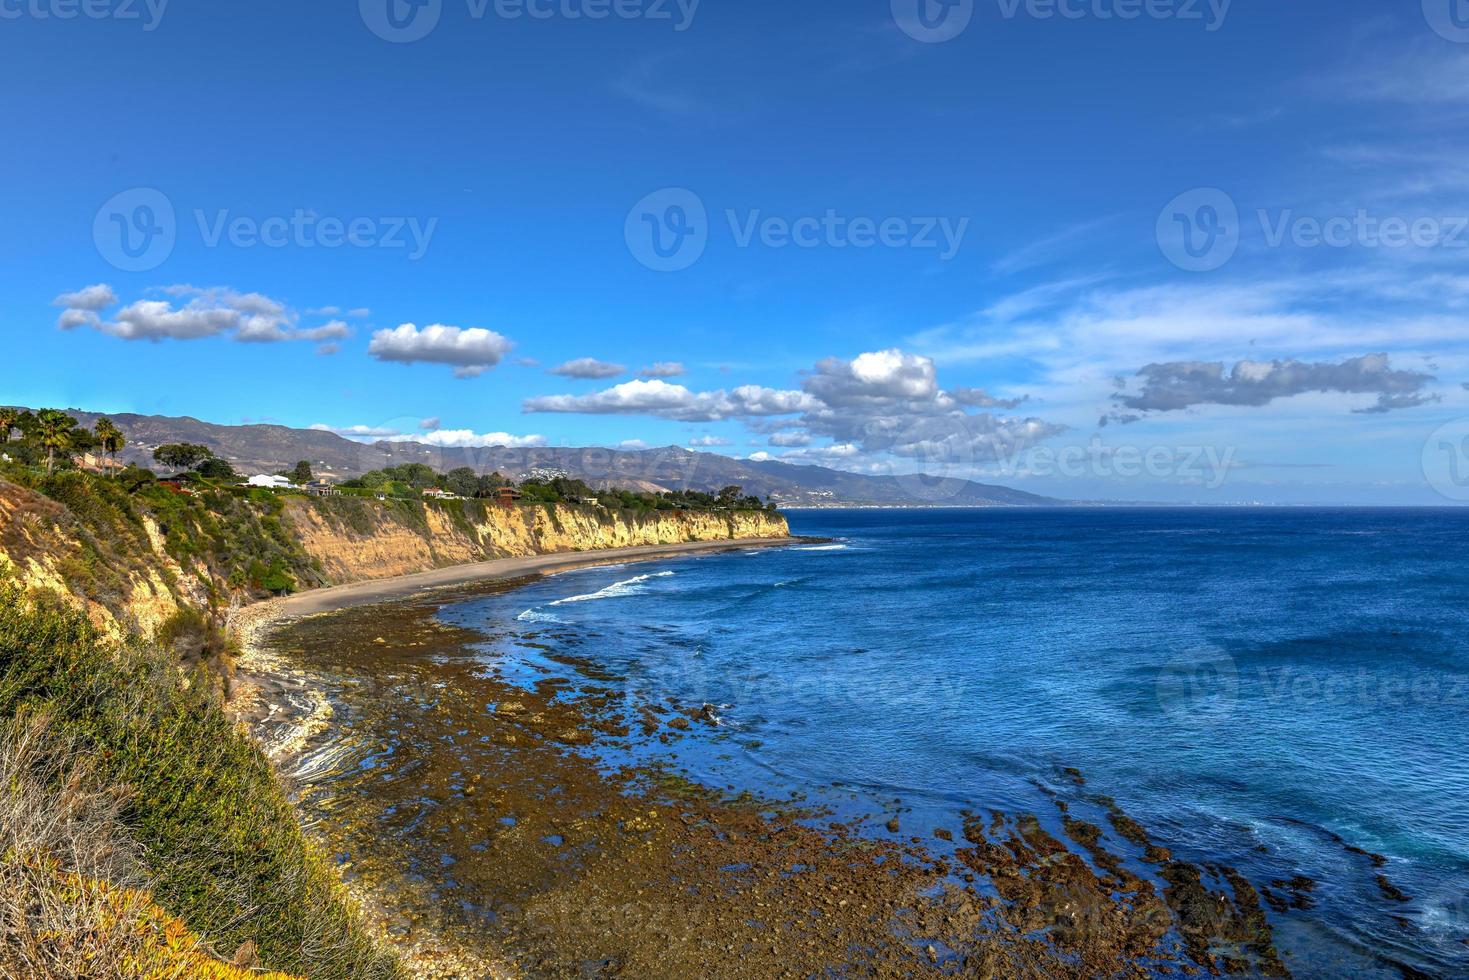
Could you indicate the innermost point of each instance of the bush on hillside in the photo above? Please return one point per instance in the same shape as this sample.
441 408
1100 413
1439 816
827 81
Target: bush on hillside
218 838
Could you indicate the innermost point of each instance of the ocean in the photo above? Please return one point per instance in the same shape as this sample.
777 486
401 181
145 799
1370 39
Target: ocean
1281 691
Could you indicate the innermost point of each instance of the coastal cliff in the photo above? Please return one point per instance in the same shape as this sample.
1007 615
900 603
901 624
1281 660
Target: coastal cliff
115 600
356 540
138 562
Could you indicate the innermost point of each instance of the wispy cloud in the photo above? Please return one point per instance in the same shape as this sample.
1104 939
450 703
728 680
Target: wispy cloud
649 84
1046 250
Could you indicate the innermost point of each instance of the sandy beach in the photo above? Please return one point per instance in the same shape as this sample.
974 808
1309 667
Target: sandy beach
265 679
247 623
365 593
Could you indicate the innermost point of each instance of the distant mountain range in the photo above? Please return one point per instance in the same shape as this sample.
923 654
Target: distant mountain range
272 448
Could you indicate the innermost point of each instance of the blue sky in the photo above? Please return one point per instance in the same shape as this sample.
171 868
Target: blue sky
995 219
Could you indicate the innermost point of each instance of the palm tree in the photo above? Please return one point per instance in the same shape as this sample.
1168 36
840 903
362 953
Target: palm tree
111 439
53 430
8 418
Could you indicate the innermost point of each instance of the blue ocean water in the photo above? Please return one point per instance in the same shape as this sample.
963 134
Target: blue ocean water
1283 691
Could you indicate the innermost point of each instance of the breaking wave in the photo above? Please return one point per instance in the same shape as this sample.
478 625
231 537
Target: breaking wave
614 591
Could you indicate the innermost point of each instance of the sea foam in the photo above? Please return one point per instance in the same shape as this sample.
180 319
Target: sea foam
614 591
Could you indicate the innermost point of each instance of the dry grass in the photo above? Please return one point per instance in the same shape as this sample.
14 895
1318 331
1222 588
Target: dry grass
204 830
74 903
59 829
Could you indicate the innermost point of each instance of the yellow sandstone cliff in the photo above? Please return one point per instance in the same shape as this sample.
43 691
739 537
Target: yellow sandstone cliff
128 576
458 532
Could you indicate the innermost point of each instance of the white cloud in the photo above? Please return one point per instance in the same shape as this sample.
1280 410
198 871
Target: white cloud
93 299
708 442
588 368
71 319
335 330
890 403
159 320
1076 350
355 431
663 369
194 313
671 401
441 438
877 376
881 403
1181 385
469 439
471 352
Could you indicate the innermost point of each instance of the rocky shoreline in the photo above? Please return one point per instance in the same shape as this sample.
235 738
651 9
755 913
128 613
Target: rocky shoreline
472 814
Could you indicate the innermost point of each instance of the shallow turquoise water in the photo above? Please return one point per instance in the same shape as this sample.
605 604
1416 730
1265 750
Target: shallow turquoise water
1265 689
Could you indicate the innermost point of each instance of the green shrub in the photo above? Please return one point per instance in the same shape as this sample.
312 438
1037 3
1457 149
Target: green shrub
218 835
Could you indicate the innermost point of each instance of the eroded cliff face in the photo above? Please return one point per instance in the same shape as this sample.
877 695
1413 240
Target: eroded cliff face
123 582
123 575
352 544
